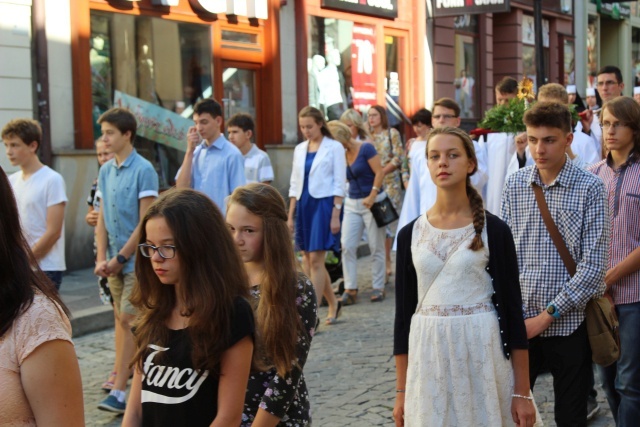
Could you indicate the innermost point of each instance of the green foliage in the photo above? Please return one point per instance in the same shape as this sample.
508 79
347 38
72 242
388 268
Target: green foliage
508 118
505 118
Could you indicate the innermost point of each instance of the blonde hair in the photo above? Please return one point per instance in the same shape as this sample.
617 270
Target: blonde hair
340 131
554 92
356 119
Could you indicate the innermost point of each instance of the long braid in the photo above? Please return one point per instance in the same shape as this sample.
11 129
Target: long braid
478 216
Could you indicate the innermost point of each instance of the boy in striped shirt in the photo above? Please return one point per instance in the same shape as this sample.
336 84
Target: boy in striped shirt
620 171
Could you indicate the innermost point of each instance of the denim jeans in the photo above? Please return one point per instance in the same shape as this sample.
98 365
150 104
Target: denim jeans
55 277
357 219
621 381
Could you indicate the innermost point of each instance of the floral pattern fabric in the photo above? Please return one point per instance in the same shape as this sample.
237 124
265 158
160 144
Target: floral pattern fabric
389 147
285 397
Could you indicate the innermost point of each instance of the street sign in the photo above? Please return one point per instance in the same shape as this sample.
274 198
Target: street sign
469 7
380 8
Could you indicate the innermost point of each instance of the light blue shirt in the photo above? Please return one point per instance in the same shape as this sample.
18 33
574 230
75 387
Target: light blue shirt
120 188
217 170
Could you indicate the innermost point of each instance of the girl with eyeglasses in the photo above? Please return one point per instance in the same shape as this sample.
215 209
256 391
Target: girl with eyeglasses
284 304
194 334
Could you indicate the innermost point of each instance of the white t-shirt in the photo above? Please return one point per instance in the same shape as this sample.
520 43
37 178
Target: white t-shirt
257 165
41 190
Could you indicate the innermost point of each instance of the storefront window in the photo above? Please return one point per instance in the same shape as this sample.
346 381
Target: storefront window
529 48
466 65
330 65
239 91
592 51
392 82
569 65
159 66
635 55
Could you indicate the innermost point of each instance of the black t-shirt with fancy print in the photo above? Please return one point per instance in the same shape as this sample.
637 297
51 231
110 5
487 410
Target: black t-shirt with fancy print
173 393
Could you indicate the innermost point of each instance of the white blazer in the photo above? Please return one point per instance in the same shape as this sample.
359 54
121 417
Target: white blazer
328 175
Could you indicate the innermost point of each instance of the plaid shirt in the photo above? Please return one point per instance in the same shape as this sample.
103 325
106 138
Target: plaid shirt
623 190
577 203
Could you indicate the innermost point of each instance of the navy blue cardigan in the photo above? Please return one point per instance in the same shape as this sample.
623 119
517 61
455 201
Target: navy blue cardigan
503 268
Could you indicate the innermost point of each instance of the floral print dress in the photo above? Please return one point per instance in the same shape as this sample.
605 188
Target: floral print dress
285 397
389 147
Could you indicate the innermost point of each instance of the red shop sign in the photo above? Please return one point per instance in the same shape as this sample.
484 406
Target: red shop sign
363 70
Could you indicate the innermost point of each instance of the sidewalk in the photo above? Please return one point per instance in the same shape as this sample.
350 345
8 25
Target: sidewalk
79 292
350 372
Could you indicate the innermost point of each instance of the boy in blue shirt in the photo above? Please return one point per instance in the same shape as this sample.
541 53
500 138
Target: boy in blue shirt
127 185
211 164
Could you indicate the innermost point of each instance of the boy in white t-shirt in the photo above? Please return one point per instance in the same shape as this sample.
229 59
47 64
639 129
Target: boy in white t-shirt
257 165
40 195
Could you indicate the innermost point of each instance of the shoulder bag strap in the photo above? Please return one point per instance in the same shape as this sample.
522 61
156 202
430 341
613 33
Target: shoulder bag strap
552 228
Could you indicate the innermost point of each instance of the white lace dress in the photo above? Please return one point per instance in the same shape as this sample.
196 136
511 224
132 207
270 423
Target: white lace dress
457 374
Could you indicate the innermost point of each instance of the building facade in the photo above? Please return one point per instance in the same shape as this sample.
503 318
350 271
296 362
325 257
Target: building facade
473 52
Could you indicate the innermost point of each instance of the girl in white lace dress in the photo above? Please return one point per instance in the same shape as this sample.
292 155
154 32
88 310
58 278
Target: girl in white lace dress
458 306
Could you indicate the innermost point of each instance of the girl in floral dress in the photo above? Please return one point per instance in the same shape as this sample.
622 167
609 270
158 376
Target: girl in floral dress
284 303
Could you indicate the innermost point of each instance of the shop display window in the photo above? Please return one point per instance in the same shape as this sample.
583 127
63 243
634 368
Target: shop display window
239 91
635 55
466 65
592 51
162 68
569 65
529 48
329 65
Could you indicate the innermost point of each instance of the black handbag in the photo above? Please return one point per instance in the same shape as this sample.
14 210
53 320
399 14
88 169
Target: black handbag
383 211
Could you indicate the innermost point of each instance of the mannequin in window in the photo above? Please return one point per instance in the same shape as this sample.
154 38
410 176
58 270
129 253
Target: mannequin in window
331 84
314 66
100 79
464 93
146 75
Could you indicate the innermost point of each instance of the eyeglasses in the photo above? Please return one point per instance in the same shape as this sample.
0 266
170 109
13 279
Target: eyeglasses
444 116
615 126
165 251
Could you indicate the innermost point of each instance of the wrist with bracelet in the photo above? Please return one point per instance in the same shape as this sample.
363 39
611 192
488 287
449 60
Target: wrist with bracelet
399 390
520 396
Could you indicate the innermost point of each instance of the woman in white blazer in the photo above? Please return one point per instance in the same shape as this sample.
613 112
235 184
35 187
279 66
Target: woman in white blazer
317 187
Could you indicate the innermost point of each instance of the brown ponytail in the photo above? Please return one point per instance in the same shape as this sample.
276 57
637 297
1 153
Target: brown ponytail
478 215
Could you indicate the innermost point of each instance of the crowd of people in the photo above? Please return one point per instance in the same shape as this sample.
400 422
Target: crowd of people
218 333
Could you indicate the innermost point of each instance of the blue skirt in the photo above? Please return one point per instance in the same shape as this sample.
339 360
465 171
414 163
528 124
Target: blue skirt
313 224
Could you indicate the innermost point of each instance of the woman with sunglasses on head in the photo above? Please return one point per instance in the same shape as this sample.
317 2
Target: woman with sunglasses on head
388 143
284 304
365 175
39 375
194 334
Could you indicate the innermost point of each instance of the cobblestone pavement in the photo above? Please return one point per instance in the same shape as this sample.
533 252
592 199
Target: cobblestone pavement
350 371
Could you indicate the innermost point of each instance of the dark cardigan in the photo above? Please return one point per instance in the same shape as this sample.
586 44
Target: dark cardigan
503 268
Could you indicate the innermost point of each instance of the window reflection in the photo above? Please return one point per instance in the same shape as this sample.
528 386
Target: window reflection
172 71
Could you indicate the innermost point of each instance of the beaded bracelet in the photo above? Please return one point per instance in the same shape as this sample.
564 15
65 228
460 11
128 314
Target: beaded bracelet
522 397
400 391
